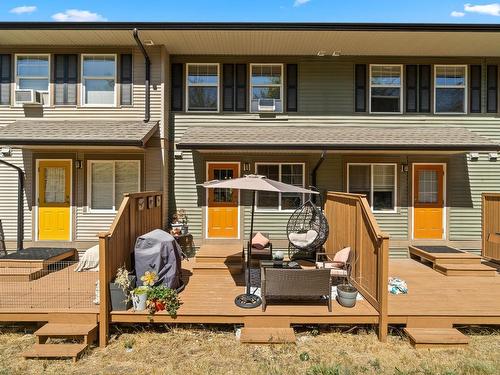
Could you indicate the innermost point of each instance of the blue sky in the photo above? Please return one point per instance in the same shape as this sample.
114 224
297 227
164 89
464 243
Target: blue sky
252 10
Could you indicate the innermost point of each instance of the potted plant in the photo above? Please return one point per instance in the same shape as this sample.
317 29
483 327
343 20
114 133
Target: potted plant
179 222
278 259
162 298
120 288
139 297
347 294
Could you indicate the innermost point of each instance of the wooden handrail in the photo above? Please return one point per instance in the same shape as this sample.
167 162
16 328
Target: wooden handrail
353 224
138 214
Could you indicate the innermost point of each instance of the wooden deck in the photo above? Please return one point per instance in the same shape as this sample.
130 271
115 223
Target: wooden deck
433 298
62 291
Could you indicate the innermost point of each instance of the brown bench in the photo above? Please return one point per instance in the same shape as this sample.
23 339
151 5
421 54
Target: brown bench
295 284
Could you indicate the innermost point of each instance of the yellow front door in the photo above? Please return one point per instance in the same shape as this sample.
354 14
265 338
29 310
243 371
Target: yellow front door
54 190
223 203
428 202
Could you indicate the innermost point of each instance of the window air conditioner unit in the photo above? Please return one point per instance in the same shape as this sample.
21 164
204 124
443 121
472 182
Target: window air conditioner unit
266 105
26 96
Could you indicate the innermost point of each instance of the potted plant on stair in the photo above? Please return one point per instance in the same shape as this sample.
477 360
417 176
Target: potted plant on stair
140 294
120 288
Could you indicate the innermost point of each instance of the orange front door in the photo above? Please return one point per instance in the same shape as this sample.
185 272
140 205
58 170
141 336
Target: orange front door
223 203
428 202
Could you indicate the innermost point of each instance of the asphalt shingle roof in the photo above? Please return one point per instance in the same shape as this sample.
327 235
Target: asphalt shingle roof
336 138
77 132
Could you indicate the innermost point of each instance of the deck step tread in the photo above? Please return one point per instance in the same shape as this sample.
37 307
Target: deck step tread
220 251
267 335
437 337
468 267
19 270
55 351
65 329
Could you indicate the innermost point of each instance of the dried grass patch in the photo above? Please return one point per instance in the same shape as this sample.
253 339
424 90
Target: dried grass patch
214 350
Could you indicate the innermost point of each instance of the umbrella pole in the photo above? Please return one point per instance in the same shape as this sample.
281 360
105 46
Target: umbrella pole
249 300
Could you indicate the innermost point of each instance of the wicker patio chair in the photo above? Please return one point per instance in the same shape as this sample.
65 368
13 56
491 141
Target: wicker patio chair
261 254
293 284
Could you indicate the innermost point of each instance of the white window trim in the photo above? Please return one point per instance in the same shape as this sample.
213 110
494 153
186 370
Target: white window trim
82 80
89 183
16 86
267 85
188 85
464 86
401 93
280 164
395 199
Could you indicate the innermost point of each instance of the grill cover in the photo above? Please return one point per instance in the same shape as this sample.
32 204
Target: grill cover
158 251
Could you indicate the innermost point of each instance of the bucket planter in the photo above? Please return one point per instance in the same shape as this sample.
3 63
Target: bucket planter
120 294
346 295
139 298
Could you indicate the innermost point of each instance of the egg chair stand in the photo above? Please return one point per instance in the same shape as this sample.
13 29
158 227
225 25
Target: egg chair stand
307 230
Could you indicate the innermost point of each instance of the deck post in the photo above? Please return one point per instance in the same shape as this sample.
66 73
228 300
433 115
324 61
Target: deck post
383 268
103 290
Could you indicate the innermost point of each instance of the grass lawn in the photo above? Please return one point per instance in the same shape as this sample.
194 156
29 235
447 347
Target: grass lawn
214 350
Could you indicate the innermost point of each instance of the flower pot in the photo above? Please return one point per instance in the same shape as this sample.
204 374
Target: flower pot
119 298
139 301
185 229
346 295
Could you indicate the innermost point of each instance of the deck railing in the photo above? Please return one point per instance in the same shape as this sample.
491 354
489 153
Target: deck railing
352 224
139 213
491 226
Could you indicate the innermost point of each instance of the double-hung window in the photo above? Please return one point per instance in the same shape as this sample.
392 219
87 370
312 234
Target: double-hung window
99 80
450 85
108 180
32 78
377 182
386 82
289 173
202 87
266 88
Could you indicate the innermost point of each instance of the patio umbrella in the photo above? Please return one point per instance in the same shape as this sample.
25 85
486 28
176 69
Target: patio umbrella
253 183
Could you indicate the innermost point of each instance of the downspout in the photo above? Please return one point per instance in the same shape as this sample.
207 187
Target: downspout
20 205
315 171
147 81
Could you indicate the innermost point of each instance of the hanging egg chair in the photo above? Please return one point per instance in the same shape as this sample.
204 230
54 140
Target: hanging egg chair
307 230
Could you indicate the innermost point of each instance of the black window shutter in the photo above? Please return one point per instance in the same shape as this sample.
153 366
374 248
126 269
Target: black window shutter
241 88
291 87
424 88
360 88
228 87
65 79
5 72
411 88
126 79
492 89
177 81
475 89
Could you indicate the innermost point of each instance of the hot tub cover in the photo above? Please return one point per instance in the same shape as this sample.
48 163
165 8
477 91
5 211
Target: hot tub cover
159 252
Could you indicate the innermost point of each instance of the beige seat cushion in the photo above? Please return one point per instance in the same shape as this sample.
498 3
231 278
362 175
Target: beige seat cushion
259 241
342 256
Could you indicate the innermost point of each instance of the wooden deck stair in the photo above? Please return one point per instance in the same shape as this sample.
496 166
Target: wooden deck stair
267 335
457 269
219 258
434 338
18 274
87 333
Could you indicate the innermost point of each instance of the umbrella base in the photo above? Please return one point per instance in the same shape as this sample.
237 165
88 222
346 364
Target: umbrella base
248 301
